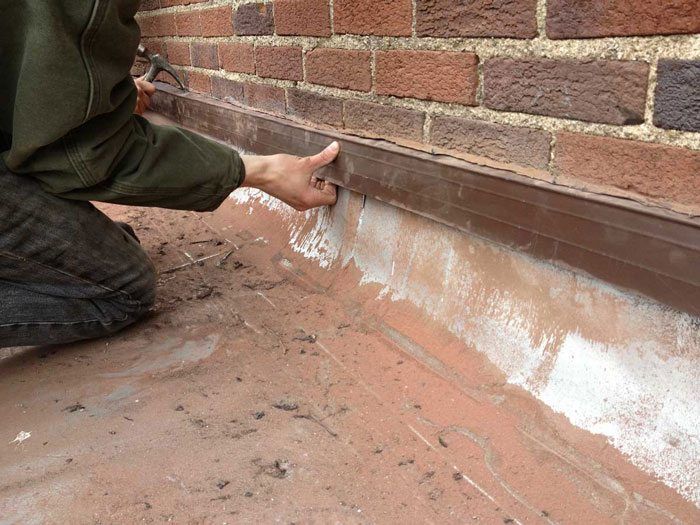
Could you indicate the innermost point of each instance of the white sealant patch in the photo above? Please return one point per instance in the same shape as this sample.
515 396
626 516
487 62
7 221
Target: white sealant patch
640 391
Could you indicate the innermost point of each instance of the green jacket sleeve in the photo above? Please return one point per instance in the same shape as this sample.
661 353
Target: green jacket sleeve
67 106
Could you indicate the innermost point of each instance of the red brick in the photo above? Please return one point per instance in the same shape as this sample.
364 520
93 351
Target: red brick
511 145
378 120
254 19
205 55
662 173
157 25
228 90
303 17
601 18
265 98
237 58
284 63
431 75
341 68
216 22
611 92
374 17
179 53
188 24
199 82
476 18
315 108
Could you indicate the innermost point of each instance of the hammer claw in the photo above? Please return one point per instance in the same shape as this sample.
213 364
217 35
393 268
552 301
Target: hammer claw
158 64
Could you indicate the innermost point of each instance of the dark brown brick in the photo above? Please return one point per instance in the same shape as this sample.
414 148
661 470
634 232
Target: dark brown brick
341 68
677 104
237 58
179 53
303 17
149 5
611 92
254 19
601 18
284 63
430 75
169 3
265 98
216 22
205 55
373 17
476 18
199 82
188 24
378 120
511 145
315 108
664 174
228 90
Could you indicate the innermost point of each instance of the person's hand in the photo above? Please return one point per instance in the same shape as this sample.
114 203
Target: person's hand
145 91
291 179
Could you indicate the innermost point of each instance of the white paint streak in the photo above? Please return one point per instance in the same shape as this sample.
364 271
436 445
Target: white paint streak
21 437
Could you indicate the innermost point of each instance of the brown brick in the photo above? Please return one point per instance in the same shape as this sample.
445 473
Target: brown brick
216 22
431 75
284 63
254 19
315 108
169 3
476 18
188 23
663 173
341 68
677 103
205 55
157 25
611 92
303 17
228 90
179 53
522 146
373 17
238 58
378 120
577 19
199 82
265 98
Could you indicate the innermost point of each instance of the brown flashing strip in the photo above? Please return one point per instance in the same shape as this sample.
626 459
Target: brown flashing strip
651 251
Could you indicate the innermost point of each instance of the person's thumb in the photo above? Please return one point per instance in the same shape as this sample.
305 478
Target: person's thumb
324 158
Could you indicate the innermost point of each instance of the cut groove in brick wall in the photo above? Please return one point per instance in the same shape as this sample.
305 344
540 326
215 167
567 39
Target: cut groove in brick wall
518 84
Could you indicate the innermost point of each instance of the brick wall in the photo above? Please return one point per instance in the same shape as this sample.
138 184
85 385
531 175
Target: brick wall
600 95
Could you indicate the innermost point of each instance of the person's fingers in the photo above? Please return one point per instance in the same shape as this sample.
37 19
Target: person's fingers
145 86
324 158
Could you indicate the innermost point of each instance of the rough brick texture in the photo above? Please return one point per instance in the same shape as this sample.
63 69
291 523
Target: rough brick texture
216 22
430 75
188 24
266 98
199 82
283 63
476 18
205 55
677 103
237 58
374 17
179 53
601 18
315 108
506 144
662 173
303 17
612 92
377 120
254 19
340 68
226 89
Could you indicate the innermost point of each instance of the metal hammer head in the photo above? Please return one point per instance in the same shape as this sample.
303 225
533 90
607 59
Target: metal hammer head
158 64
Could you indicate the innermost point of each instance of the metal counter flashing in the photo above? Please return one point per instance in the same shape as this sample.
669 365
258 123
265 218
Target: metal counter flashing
639 248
